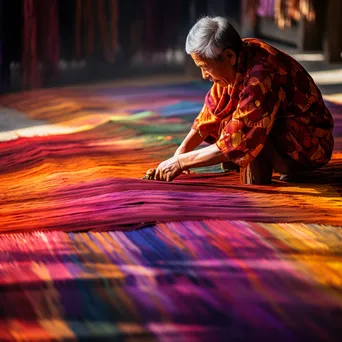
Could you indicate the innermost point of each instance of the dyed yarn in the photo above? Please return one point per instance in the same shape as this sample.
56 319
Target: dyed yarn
91 29
102 22
283 11
197 281
112 137
89 26
114 26
204 268
30 60
41 41
78 22
287 10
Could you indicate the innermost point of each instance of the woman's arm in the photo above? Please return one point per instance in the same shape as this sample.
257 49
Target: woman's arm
207 156
190 142
173 167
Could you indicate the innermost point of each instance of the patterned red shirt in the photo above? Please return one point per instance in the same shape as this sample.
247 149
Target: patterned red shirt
272 95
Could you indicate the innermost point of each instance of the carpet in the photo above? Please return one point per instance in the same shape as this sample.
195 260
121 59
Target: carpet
82 170
212 259
196 281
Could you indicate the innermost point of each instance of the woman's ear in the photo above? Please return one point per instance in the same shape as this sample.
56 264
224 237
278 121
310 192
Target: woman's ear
230 56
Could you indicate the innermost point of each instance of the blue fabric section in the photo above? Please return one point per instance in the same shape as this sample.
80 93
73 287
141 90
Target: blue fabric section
182 108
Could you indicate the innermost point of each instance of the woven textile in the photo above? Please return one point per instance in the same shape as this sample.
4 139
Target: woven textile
194 281
203 268
83 169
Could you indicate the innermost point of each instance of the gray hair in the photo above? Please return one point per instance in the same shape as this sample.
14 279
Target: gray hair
210 36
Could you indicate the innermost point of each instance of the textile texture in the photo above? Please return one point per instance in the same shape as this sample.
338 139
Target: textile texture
194 281
213 260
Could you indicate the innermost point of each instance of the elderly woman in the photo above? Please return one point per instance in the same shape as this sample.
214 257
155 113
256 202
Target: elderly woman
263 113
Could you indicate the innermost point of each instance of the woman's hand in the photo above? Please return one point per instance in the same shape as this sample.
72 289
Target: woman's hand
150 174
168 170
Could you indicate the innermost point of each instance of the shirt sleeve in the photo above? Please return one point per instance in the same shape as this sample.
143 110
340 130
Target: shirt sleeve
243 137
207 124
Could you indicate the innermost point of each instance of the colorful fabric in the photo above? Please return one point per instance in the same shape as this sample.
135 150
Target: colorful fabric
96 146
285 12
76 164
272 95
194 281
266 8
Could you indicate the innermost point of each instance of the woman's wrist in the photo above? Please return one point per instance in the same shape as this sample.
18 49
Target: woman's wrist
183 161
180 164
180 150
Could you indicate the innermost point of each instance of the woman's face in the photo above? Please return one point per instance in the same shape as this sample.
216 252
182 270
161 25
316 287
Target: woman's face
221 70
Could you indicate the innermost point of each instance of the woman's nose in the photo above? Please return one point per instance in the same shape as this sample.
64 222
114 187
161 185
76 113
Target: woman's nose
204 75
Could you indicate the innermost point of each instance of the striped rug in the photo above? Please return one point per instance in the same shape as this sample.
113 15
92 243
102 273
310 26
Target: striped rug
191 281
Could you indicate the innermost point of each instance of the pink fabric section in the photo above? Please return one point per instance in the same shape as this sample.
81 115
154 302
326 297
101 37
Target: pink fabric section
266 8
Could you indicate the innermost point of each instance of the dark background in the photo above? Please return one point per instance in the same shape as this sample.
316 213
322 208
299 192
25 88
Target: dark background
147 31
